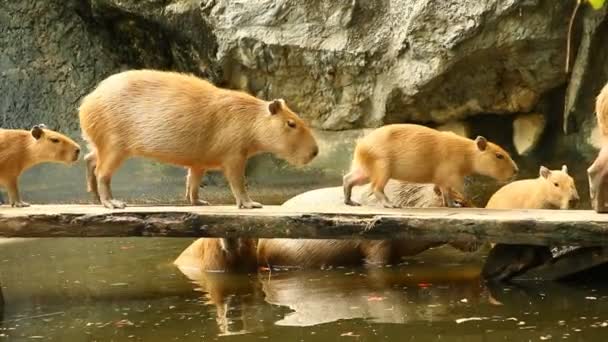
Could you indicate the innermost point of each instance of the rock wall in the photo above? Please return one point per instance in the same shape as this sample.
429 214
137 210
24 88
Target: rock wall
342 63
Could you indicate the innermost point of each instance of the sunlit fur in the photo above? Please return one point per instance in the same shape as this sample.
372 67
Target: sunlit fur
598 171
183 120
19 151
601 111
552 189
419 154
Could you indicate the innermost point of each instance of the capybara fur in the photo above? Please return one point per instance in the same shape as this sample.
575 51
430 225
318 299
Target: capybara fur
219 255
186 121
598 171
419 154
314 253
21 150
553 189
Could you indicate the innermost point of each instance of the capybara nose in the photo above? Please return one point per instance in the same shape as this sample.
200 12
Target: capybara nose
314 153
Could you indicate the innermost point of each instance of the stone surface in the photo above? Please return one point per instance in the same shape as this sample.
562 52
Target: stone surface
458 127
527 130
342 64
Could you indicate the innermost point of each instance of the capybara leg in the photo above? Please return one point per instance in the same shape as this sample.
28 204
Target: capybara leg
104 170
592 172
91 163
234 170
355 177
378 183
193 182
448 201
13 195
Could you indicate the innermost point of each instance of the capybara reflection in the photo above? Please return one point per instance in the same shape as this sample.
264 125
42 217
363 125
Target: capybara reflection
419 154
553 189
598 171
21 150
183 120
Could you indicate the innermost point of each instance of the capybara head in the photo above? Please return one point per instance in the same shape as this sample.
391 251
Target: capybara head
491 160
459 199
288 136
559 188
53 146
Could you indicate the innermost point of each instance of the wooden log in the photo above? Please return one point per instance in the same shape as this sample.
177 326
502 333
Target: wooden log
537 227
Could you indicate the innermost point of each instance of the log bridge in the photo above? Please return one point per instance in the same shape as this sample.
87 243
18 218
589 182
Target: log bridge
530 227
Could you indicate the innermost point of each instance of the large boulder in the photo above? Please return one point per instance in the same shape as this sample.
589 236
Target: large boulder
341 64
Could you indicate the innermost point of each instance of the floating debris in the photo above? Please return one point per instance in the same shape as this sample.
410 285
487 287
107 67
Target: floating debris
462 320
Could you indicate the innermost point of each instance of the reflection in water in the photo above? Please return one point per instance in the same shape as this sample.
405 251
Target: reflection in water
128 290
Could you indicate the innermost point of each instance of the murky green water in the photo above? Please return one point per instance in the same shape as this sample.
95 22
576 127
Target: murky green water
128 290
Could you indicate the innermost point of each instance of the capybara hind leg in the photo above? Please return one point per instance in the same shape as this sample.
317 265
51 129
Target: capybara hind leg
448 201
91 163
379 179
13 195
193 181
104 171
355 177
234 171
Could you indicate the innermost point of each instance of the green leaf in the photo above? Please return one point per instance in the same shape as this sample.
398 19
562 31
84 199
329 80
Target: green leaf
596 4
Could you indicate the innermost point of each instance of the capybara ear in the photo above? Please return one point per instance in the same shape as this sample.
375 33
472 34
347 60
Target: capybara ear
544 172
481 142
437 190
37 131
274 107
565 169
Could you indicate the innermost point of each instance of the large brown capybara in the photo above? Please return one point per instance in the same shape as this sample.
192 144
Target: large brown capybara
553 189
315 253
183 120
419 154
21 150
598 171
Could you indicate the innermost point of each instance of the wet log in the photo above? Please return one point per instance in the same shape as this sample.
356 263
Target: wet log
537 227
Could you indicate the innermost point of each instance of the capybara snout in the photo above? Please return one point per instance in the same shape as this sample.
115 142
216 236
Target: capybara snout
493 161
55 146
293 139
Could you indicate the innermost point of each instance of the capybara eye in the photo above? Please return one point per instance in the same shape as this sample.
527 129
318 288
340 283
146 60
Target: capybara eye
500 156
291 123
556 184
54 140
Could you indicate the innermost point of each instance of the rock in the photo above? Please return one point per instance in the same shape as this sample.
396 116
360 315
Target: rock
458 127
420 61
527 130
589 74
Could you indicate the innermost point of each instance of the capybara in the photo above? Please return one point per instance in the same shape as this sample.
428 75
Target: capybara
598 171
420 154
219 255
21 150
553 189
183 120
314 253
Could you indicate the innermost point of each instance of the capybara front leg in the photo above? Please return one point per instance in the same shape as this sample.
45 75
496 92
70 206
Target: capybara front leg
355 177
193 182
234 170
91 163
104 170
13 195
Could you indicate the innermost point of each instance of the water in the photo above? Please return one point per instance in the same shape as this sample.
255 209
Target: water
128 290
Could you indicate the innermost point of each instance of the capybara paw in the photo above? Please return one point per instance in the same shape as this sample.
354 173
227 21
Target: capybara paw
113 204
20 204
390 205
199 202
352 203
249 205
